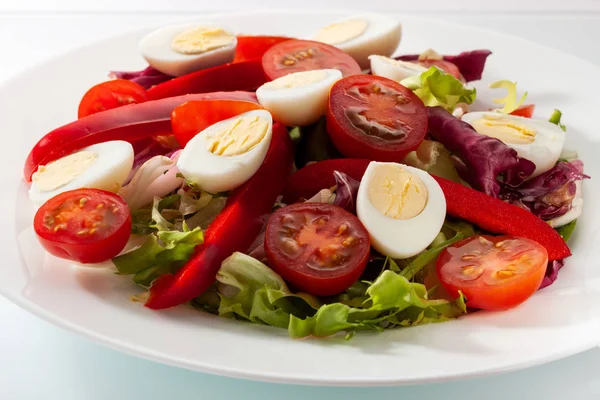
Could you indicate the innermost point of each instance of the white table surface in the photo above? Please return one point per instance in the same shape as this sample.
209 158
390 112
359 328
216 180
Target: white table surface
40 361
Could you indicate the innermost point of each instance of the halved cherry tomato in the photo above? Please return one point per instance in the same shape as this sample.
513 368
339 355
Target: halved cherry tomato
376 118
524 111
84 225
306 55
250 47
445 66
493 272
319 248
110 94
193 117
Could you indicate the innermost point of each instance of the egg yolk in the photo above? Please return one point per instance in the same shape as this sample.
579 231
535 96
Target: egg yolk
62 171
201 39
504 129
397 193
298 79
342 31
238 136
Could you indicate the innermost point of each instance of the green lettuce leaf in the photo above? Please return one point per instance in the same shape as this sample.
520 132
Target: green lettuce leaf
437 88
566 231
555 119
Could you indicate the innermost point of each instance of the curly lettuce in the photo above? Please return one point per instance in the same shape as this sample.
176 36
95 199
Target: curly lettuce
509 102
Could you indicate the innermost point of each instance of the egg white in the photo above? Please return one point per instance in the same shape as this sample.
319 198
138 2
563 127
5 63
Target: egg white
395 70
108 172
545 149
214 173
156 49
574 212
300 105
399 238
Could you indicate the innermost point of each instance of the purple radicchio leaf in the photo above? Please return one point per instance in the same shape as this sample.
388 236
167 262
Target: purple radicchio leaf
146 78
484 162
548 195
469 63
346 191
552 273
143 154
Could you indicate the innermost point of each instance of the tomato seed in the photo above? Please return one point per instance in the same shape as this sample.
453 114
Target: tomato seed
500 244
505 274
376 89
342 228
468 257
468 269
348 242
58 228
92 231
82 201
99 206
289 62
82 232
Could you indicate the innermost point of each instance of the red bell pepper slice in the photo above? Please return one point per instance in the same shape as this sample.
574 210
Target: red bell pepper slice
246 75
252 47
234 229
524 111
130 123
497 216
307 181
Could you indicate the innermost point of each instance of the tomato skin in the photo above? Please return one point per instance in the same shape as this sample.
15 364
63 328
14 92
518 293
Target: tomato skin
446 66
524 111
191 118
323 242
307 181
110 94
493 272
250 47
306 55
104 219
245 76
377 96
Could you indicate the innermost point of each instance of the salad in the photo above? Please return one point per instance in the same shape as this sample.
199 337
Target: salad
317 185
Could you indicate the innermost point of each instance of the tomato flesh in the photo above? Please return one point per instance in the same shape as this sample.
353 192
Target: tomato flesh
251 47
193 117
493 272
306 55
319 248
84 225
110 94
375 118
524 111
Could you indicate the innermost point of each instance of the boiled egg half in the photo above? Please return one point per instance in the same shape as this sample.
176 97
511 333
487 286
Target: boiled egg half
574 212
228 153
403 208
180 49
395 70
101 166
362 35
300 98
536 140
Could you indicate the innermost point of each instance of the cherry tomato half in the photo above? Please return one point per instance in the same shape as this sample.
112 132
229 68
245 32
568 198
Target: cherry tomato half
375 118
306 55
250 47
446 66
110 94
191 118
84 225
524 111
319 248
493 272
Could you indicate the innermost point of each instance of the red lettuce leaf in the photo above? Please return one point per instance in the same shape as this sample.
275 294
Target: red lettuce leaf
484 162
146 78
346 191
469 63
552 273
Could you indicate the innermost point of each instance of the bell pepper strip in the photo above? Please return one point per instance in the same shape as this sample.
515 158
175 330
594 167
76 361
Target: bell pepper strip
524 111
234 229
191 118
469 63
130 123
245 75
308 181
497 216
251 47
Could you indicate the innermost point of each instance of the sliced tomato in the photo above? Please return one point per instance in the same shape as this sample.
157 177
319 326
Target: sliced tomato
306 55
193 117
375 118
110 94
250 47
307 181
446 66
524 111
246 75
493 272
319 248
84 225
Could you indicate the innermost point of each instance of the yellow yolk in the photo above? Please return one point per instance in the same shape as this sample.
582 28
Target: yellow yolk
238 137
298 79
201 39
342 31
62 171
396 193
504 129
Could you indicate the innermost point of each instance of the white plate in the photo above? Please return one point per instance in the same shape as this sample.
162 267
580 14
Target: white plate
556 322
